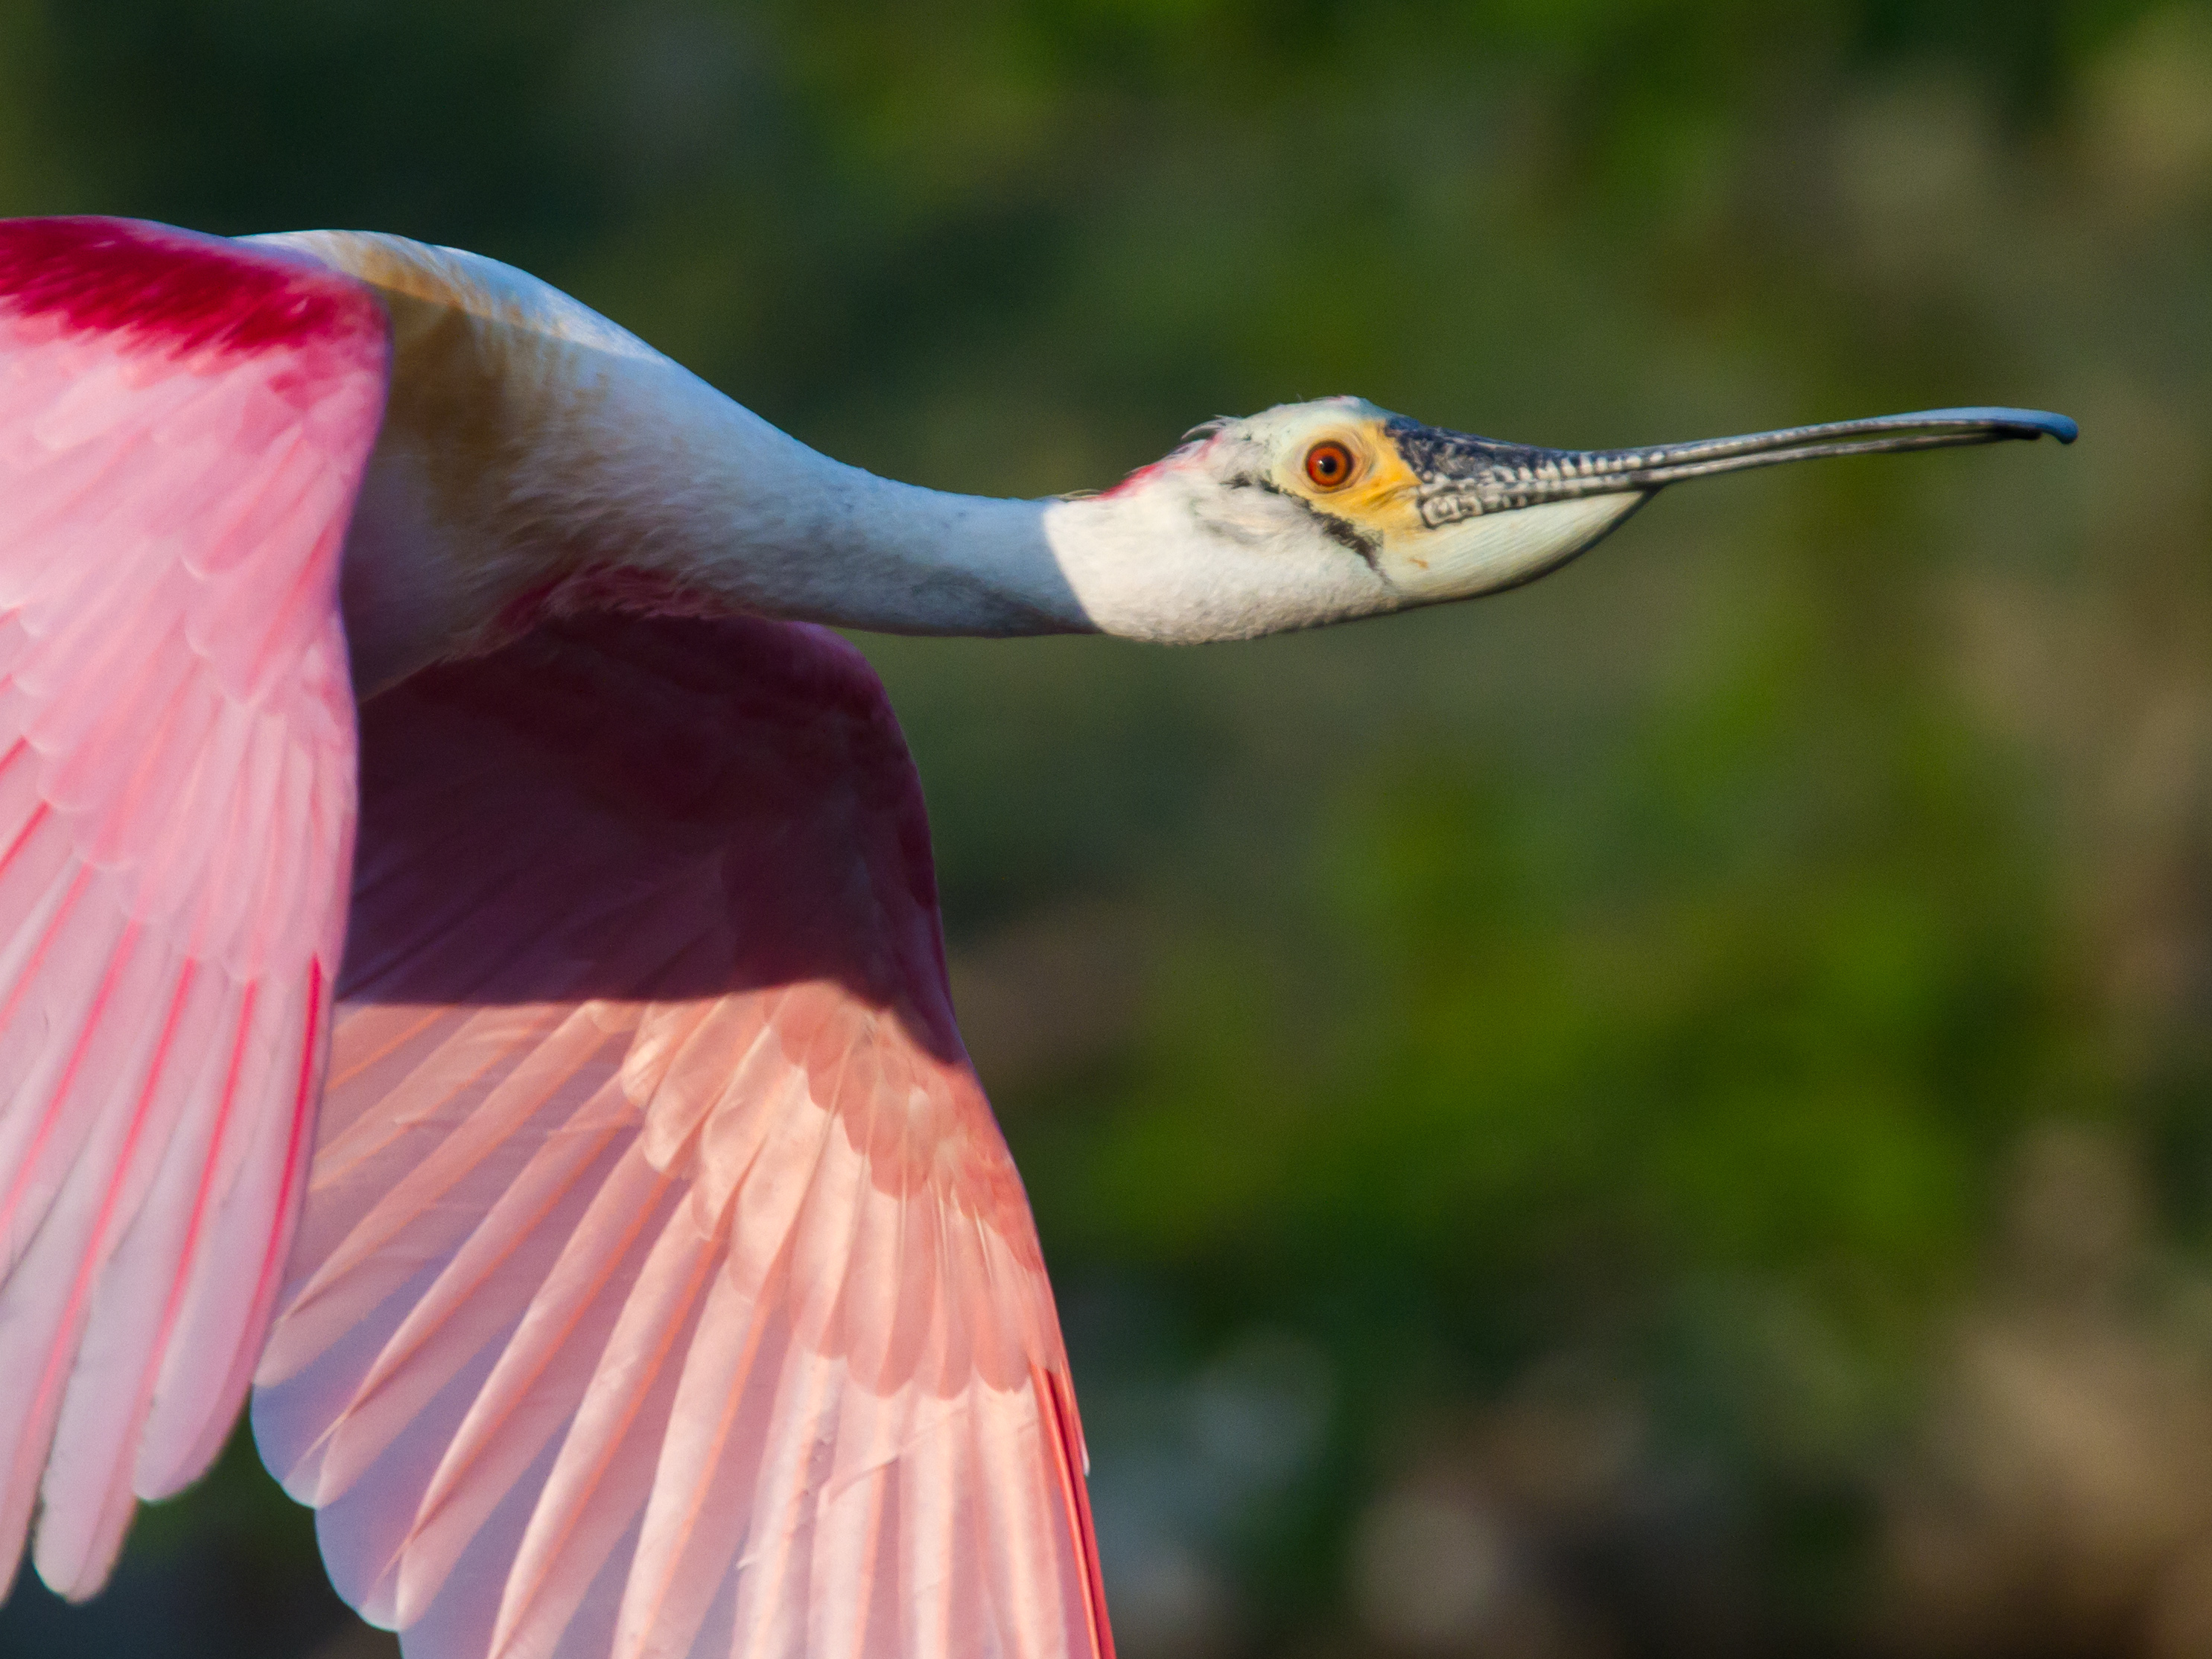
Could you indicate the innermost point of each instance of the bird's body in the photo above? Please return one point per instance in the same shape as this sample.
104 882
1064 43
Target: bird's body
661 1282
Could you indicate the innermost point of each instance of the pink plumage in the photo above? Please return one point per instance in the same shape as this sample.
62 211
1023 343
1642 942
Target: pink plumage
657 1199
663 1285
176 818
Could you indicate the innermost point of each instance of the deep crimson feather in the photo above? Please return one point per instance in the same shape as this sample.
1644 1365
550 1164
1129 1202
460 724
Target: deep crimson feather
152 292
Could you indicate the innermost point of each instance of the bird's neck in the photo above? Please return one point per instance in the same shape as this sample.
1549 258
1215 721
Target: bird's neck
533 456
785 532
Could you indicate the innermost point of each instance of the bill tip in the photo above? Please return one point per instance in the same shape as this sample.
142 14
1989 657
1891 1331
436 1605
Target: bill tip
2020 422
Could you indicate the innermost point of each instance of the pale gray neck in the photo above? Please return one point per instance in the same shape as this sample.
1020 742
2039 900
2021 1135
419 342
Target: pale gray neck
795 534
717 497
813 540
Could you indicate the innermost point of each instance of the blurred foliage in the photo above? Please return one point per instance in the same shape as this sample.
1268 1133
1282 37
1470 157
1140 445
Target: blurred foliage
1664 1113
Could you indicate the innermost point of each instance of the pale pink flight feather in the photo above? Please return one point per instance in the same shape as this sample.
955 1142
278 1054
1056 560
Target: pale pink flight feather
663 1286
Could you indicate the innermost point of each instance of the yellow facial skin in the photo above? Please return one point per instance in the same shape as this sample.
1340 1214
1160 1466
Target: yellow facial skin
1378 506
1380 499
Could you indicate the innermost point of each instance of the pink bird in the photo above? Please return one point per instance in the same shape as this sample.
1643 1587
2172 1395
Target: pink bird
469 966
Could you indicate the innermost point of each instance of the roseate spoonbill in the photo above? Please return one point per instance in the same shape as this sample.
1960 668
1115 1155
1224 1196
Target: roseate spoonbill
658 1283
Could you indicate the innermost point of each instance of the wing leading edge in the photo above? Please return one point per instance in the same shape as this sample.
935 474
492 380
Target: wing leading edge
183 427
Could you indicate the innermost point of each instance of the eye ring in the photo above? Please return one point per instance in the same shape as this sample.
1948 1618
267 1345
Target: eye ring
1330 465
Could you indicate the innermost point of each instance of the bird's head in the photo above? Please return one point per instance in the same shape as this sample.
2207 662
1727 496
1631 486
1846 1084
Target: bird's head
1316 512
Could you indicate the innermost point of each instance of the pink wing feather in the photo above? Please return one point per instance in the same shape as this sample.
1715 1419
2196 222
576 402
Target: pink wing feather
183 427
665 1286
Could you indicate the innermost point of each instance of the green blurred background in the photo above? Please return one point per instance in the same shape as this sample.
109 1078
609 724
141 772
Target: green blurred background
1666 1113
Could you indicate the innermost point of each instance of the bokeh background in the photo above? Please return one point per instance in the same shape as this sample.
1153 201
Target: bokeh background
1666 1113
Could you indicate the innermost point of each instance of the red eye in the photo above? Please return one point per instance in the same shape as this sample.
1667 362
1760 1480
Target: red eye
1329 464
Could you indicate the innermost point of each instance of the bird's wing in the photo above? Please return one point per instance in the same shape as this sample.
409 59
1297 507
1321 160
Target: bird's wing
183 427
665 1287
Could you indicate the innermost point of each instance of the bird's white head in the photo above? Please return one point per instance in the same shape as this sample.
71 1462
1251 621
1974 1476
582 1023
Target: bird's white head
1316 512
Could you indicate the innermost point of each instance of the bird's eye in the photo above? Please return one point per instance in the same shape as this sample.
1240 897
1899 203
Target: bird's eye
1329 464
